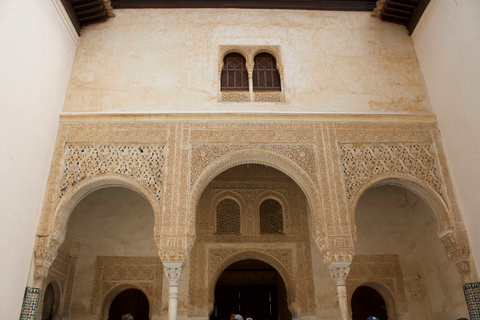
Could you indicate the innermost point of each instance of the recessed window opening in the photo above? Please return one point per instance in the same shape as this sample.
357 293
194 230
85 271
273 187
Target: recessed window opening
271 216
234 73
265 73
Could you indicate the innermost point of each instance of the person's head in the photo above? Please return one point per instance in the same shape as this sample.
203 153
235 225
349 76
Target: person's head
249 319
238 317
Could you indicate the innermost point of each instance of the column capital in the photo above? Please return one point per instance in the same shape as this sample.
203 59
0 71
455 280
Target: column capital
173 271
339 271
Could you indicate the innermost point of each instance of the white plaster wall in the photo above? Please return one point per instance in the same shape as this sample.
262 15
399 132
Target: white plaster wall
36 54
447 43
156 60
392 220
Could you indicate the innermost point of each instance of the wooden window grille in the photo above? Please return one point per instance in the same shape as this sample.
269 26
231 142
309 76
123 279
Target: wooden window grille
271 217
265 73
234 73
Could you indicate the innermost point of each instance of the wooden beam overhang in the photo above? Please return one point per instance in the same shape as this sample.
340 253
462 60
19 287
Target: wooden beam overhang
340 5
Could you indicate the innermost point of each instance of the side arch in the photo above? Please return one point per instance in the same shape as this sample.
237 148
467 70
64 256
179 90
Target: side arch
103 313
68 203
256 255
413 184
266 158
387 295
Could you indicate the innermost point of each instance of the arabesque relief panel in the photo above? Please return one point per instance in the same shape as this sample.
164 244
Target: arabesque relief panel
324 158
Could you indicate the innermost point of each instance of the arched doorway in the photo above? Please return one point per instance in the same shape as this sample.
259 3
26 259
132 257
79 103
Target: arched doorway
367 302
49 305
131 301
251 288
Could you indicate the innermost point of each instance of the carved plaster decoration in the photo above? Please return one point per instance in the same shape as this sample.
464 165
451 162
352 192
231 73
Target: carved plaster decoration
204 155
361 162
339 273
229 96
45 252
268 96
460 255
142 162
115 274
382 273
173 271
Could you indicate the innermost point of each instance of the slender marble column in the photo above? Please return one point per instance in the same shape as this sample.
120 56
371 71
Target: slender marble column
339 272
472 296
250 85
173 270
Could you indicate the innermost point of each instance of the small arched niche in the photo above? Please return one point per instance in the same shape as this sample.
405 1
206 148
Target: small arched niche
252 288
130 301
271 217
51 301
368 302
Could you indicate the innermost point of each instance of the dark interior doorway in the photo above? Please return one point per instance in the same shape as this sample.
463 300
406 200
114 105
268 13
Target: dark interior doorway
131 301
367 302
253 289
48 303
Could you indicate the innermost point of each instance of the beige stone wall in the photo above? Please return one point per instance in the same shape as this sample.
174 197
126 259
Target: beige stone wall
446 43
168 61
392 220
37 53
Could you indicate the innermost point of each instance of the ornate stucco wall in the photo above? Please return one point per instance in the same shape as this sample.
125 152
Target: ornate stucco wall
168 61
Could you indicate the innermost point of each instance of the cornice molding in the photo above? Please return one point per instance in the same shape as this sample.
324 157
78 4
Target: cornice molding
68 117
62 13
424 20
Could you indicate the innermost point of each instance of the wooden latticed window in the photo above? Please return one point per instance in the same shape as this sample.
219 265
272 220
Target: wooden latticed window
228 217
271 217
265 73
234 73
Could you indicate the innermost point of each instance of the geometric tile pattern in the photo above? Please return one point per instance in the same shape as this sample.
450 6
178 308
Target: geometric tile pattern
30 303
472 296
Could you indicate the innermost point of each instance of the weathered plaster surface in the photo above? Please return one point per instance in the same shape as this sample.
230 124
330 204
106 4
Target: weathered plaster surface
392 220
167 61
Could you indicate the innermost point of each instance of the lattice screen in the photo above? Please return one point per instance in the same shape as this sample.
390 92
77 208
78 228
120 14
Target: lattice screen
228 217
271 217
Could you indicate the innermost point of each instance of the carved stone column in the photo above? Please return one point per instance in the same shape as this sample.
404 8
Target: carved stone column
250 81
472 296
173 271
339 272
